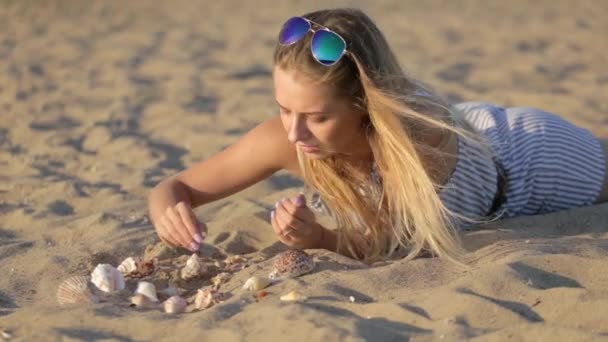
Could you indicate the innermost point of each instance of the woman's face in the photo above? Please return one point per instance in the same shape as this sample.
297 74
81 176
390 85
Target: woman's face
315 119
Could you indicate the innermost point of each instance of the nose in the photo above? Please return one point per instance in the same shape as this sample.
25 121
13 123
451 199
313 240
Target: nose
297 130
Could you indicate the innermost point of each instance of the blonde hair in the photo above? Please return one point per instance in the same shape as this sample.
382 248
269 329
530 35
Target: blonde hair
407 211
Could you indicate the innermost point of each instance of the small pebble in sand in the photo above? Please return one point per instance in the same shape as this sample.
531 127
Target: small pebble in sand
291 264
352 299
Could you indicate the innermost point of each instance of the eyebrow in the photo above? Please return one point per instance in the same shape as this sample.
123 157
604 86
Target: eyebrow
306 113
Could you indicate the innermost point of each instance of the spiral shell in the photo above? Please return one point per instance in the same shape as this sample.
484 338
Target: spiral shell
256 283
194 268
175 305
147 289
129 265
76 290
291 264
107 278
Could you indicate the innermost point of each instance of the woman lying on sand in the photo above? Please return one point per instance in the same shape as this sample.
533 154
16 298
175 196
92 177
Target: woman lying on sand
393 162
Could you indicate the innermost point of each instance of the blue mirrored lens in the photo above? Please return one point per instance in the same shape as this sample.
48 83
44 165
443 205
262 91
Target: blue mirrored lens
327 47
294 29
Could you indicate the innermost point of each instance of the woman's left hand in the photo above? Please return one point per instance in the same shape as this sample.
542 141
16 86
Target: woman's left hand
295 224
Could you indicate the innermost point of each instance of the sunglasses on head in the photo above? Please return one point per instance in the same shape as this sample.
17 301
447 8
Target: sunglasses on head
327 46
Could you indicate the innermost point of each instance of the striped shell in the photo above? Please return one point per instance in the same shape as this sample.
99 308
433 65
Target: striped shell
76 290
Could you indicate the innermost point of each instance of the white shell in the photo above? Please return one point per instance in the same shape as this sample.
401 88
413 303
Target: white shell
107 278
147 289
256 283
142 302
129 265
293 296
194 268
175 304
203 299
76 290
207 297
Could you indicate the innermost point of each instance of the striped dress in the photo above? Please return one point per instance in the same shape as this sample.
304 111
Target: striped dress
547 164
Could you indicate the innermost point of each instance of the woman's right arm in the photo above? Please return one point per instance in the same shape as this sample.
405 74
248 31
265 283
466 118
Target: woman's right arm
257 155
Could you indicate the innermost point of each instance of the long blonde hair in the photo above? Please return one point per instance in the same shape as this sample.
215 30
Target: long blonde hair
407 211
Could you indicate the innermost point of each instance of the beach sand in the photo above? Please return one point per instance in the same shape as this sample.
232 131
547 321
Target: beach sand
100 100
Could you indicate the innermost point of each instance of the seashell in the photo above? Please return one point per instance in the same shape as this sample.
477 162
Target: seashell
129 265
107 278
291 263
194 268
147 289
140 301
175 305
206 298
76 290
220 279
256 283
293 296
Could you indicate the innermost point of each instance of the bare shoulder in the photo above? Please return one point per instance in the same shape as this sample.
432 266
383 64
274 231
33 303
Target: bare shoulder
256 155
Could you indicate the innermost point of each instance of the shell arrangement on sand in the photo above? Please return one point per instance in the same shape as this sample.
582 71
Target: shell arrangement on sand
76 290
107 278
194 268
291 263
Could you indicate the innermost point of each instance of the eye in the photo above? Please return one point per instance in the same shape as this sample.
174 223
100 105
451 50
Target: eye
319 119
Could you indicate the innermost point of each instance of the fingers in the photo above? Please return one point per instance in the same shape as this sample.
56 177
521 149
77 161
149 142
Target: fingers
167 228
179 230
286 217
277 229
190 221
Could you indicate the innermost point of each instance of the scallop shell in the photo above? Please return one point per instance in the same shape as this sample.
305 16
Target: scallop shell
256 283
175 305
291 264
293 296
140 301
107 278
129 265
194 268
147 289
76 290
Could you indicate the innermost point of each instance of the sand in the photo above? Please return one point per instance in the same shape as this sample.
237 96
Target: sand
100 100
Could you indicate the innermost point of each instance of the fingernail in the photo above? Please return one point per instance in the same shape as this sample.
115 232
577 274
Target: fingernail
276 205
198 238
272 214
194 246
298 200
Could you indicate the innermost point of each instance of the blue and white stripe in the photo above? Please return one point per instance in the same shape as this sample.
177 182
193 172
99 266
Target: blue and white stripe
550 164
